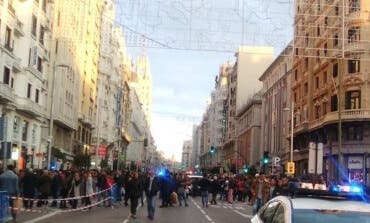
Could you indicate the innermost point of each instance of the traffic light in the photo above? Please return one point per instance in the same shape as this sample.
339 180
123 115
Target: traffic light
213 150
266 158
246 170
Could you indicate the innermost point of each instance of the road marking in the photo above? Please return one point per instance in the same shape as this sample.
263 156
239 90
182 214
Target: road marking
137 209
43 217
240 208
201 210
244 215
224 206
209 219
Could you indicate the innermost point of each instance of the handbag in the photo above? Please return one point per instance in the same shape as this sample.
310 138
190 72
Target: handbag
18 204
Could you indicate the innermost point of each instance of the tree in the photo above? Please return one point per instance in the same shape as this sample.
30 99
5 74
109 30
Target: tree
82 160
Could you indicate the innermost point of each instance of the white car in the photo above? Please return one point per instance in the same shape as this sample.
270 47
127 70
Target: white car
313 209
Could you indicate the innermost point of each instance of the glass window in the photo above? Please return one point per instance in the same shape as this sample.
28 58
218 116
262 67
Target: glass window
24 130
6 75
268 212
279 216
326 216
353 100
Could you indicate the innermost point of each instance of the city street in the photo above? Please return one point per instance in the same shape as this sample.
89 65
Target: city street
222 212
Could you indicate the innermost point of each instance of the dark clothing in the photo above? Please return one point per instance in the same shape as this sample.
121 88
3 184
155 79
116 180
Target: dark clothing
204 184
133 187
154 187
29 184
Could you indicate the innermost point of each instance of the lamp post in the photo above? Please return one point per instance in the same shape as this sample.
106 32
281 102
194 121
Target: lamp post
51 123
291 109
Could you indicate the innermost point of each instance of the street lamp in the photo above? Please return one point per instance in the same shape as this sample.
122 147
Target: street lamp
50 140
291 109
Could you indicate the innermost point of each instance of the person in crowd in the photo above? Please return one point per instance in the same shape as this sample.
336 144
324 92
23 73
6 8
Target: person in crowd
74 190
108 188
134 188
100 185
126 178
260 192
181 185
65 186
29 184
204 186
165 189
88 184
56 183
9 182
151 187
214 188
44 188
142 187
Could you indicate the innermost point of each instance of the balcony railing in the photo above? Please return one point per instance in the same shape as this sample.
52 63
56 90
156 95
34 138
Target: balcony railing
18 30
358 15
6 92
346 115
30 107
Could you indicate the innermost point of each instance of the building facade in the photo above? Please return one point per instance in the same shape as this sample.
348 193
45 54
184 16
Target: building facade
186 154
24 62
329 87
248 133
276 107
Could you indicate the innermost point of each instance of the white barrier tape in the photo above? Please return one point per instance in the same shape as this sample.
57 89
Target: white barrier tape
61 211
62 199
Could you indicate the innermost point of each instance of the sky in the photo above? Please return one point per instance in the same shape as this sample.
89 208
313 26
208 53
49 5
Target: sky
186 42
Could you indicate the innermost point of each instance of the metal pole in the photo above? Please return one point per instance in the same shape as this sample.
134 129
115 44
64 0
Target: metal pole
291 131
51 117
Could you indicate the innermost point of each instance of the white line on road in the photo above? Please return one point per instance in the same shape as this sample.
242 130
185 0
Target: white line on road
42 217
201 210
244 215
137 209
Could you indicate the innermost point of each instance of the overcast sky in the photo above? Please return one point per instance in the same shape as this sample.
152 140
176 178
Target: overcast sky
187 41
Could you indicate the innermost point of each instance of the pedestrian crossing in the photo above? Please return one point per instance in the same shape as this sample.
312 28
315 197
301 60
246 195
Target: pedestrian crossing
233 206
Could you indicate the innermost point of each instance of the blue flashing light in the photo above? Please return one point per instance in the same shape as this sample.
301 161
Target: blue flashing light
334 188
161 172
356 189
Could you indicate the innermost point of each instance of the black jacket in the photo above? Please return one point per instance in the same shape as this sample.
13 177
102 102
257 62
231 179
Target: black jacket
133 187
155 187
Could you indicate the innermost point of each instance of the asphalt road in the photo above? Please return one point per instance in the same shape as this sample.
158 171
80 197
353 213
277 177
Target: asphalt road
195 213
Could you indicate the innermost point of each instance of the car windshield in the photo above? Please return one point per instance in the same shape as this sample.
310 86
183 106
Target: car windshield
326 216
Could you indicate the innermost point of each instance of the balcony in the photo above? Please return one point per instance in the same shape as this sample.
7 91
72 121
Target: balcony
66 122
357 17
356 46
6 93
17 65
18 28
30 107
347 115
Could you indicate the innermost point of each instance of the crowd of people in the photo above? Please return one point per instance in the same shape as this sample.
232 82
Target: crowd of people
84 189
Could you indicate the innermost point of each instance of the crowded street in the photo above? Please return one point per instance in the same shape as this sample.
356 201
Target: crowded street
222 212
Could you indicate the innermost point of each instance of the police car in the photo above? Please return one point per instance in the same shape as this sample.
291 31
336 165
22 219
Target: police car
339 204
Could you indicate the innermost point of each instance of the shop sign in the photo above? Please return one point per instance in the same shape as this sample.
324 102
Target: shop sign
355 162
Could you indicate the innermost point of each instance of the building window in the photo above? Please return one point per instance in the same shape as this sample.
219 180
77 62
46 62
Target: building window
326 21
324 104
24 130
296 51
42 35
353 100
326 49
318 56
353 66
15 127
354 34
44 2
34 25
39 64
325 77
33 134
354 6
317 82
37 95
8 39
337 10
6 76
307 39
295 74
305 87
317 111
354 133
335 70
336 40
306 63
334 103
29 89
318 31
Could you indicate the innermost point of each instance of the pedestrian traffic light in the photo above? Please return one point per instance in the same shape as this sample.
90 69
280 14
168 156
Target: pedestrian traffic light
266 157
